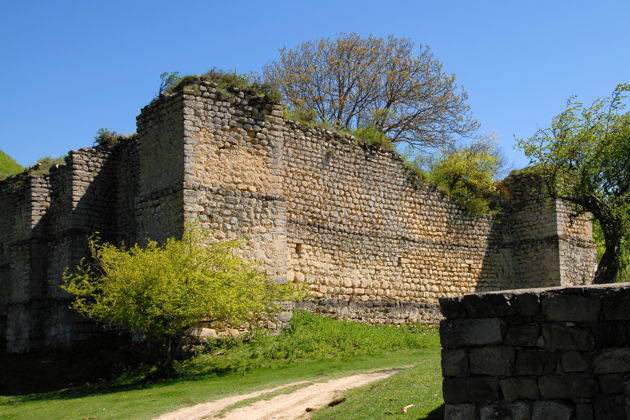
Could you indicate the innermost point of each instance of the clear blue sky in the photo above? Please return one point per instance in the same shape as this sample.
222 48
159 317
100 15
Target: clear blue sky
72 67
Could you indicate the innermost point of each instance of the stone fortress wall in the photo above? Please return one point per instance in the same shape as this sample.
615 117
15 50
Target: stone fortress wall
372 242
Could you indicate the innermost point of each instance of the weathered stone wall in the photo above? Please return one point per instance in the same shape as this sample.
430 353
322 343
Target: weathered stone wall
233 173
364 233
557 353
372 242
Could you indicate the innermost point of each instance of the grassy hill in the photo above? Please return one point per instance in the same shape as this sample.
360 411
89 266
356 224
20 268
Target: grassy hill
8 166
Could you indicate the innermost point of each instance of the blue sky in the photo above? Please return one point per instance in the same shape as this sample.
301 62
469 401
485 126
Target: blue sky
72 67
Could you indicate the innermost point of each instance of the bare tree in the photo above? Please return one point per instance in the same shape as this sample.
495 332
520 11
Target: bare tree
374 82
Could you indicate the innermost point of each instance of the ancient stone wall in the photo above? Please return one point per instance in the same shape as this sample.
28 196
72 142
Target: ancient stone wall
371 241
557 353
234 173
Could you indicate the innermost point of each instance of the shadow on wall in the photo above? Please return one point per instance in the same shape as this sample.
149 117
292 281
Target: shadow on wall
78 200
523 243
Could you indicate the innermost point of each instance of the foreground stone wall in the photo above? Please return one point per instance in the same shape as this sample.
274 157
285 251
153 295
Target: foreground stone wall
557 353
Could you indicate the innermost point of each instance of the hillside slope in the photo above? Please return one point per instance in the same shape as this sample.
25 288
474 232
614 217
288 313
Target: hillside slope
8 166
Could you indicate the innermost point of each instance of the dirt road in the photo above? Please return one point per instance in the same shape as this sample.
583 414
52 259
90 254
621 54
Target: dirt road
294 405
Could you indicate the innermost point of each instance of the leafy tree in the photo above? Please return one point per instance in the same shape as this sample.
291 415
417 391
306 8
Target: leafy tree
624 258
584 159
164 292
467 173
374 82
168 80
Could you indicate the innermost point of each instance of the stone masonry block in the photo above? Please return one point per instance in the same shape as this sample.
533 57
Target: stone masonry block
488 305
610 334
506 411
460 412
519 388
471 332
470 390
573 361
557 387
535 362
616 304
455 363
492 360
610 407
612 360
571 307
527 304
452 308
567 337
522 335
584 411
550 410
612 383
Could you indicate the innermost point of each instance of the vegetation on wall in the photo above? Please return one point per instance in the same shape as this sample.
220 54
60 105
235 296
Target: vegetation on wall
584 159
108 138
164 292
227 84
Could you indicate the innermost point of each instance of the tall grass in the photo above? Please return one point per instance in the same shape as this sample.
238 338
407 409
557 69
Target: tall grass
309 337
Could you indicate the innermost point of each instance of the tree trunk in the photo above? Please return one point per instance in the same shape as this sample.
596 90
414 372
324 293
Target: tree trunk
608 266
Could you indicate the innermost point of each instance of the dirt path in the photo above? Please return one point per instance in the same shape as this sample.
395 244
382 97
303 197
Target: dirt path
291 406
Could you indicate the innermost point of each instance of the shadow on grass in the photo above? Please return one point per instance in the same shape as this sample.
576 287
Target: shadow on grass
437 414
101 366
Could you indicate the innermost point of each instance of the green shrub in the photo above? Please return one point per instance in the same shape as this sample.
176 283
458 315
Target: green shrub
108 138
468 173
372 137
164 292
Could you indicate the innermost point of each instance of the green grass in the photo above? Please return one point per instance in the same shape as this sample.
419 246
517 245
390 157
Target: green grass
310 337
420 385
8 166
311 348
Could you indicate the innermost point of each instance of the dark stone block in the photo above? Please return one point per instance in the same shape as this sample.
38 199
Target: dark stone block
527 304
612 360
610 334
567 337
488 305
571 307
612 383
584 411
469 390
506 411
452 308
455 363
535 362
471 332
494 361
459 412
573 361
557 387
616 304
515 389
610 407
549 410
522 335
